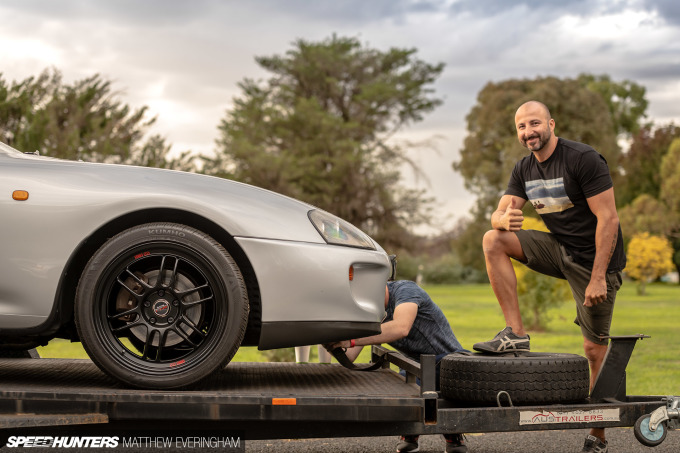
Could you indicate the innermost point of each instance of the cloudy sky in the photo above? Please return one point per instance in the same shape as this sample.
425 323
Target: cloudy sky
184 59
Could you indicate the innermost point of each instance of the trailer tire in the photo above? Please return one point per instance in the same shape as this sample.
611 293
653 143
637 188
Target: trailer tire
529 378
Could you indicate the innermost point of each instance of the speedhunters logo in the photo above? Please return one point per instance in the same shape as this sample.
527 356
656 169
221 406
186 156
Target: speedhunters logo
137 441
62 442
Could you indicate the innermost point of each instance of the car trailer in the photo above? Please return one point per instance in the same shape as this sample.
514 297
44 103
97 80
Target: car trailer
288 400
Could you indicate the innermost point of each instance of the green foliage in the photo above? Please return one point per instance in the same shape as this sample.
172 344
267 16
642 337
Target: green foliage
320 130
408 266
625 99
649 257
81 121
468 243
670 178
449 270
640 165
646 214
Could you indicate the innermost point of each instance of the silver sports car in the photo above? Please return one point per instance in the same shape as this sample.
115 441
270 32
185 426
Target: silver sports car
163 275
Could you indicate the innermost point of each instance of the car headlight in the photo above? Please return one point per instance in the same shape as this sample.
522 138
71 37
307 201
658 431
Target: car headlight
336 231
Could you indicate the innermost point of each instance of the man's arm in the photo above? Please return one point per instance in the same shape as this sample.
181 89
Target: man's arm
396 329
606 235
508 216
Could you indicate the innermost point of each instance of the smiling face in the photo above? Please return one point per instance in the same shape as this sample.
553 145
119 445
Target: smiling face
535 128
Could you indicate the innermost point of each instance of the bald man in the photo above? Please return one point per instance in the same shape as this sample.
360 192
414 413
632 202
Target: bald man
569 185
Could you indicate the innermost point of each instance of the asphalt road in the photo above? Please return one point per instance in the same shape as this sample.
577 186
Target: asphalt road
621 440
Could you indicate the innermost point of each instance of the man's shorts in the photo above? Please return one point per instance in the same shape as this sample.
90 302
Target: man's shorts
547 256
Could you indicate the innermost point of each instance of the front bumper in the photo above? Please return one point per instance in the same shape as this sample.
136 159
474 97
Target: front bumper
307 295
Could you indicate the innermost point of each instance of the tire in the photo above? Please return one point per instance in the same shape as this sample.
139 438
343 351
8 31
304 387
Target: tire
647 437
530 378
161 306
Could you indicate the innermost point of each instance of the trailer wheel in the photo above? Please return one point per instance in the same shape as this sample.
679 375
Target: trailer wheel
161 306
645 435
529 378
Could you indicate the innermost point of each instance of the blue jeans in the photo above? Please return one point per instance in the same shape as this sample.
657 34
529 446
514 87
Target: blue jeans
438 358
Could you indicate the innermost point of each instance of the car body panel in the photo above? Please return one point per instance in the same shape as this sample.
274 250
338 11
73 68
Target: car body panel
301 278
310 282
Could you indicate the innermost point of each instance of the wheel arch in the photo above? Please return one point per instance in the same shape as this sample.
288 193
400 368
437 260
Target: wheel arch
62 317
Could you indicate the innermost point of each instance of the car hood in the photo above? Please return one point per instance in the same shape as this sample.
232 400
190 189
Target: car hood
110 190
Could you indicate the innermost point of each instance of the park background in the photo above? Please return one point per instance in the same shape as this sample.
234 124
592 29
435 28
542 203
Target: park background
394 114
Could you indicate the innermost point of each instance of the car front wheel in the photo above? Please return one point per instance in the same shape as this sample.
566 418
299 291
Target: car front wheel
161 306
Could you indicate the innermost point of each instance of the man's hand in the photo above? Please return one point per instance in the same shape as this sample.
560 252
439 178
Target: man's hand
512 218
596 292
338 344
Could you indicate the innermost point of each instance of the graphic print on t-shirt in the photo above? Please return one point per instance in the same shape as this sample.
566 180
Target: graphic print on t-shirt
548 196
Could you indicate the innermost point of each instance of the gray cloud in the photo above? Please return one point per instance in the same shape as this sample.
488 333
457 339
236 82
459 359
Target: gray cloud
184 59
669 10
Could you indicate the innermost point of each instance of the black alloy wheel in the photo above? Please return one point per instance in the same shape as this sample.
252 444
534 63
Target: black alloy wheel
161 306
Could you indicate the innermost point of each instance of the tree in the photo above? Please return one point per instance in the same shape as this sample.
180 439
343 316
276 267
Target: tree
649 257
83 121
670 194
626 101
537 292
646 214
321 129
640 165
669 190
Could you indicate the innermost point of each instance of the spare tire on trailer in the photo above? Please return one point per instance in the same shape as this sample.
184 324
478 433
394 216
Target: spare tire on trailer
528 378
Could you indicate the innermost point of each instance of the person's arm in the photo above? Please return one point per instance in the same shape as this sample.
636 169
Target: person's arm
508 216
606 236
396 329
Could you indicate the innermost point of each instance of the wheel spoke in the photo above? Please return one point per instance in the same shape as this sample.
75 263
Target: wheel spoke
162 338
186 338
173 277
197 302
137 279
181 294
161 272
147 343
127 326
131 311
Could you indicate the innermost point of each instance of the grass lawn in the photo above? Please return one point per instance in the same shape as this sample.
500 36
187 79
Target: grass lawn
472 310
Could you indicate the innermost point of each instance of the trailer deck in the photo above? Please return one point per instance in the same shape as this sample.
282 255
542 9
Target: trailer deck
287 400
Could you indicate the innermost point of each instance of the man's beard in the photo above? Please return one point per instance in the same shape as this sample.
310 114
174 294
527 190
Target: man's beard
542 140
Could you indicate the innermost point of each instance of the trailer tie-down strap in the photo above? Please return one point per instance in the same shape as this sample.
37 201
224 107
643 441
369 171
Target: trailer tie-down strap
341 357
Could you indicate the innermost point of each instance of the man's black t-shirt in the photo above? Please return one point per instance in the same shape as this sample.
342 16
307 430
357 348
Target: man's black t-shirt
558 189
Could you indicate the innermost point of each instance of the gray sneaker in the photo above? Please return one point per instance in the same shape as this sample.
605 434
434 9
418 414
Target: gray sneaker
505 341
594 445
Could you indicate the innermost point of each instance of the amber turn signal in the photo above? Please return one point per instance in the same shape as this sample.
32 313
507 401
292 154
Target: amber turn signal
351 273
20 195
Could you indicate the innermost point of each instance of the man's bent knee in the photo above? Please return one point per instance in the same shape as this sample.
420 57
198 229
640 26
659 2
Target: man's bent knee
497 242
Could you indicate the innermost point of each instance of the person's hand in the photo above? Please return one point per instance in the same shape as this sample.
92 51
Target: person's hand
596 292
338 344
512 218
